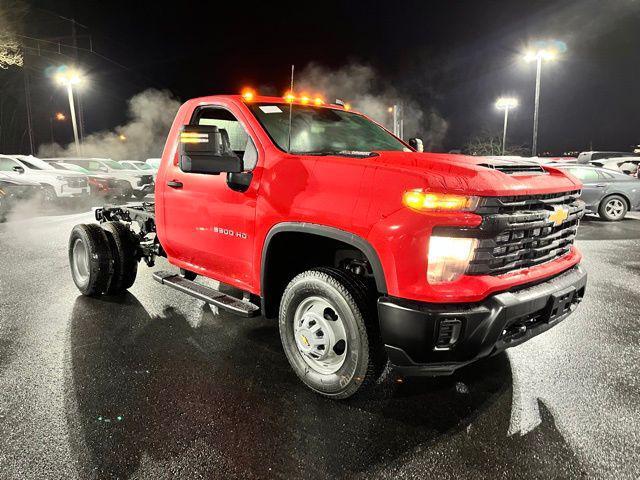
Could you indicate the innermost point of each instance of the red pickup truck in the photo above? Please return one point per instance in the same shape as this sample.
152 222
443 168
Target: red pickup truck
370 253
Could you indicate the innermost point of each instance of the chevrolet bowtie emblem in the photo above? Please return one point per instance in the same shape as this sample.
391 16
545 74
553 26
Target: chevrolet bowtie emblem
559 215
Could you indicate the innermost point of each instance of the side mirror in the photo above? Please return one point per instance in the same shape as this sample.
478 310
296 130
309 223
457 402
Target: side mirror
206 149
416 144
18 169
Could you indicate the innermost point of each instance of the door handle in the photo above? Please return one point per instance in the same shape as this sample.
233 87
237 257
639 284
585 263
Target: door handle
600 185
174 184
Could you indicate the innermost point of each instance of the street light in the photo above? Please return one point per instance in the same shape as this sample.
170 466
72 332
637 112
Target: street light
506 103
69 77
539 55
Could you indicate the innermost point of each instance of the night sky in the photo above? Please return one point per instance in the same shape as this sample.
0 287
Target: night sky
454 56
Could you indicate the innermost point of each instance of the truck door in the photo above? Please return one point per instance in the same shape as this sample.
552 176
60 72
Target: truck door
209 226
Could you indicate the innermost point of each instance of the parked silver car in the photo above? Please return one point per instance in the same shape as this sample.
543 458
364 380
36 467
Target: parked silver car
608 193
628 165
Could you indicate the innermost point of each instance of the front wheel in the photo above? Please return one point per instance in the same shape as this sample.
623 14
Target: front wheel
613 208
49 195
330 334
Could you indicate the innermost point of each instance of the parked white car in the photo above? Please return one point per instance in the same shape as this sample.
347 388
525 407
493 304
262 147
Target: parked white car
588 157
153 163
138 165
56 184
141 183
628 165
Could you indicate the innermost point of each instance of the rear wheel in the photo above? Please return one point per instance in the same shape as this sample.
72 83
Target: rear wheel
329 332
124 249
613 208
90 259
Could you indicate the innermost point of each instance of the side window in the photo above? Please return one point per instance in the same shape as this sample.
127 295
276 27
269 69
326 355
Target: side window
6 165
605 175
239 140
585 174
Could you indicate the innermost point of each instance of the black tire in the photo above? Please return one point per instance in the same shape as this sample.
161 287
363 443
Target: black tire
92 275
4 208
48 195
613 208
124 248
188 274
354 304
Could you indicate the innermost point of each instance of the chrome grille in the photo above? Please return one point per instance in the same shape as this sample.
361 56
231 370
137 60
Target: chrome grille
77 182
516 232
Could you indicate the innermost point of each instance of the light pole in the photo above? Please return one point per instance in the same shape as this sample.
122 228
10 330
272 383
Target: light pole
538 56
68 77
506 103
60 117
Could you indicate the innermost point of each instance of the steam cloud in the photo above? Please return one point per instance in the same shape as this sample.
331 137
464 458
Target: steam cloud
360 86
151 113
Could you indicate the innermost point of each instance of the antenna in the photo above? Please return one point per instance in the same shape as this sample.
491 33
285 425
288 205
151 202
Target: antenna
290 109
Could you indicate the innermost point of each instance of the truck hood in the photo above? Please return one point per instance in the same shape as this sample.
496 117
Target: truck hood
481 176
17 181
51 174
125 174
63 173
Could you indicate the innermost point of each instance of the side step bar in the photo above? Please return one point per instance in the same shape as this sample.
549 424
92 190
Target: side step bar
206 294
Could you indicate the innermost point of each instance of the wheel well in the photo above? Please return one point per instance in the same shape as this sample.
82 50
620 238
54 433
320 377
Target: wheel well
289 253
622 195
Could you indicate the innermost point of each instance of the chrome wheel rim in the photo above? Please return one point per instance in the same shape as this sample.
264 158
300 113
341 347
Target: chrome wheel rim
80 261
614 208
320 335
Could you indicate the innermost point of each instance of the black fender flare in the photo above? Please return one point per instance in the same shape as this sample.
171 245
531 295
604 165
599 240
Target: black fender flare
330 232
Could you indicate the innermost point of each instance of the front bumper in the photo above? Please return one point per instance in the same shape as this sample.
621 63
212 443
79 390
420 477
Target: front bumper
65 191
436 339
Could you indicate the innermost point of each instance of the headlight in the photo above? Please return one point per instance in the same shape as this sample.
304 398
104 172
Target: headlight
422 201
449 258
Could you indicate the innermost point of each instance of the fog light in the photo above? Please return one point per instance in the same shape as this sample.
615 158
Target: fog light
448 333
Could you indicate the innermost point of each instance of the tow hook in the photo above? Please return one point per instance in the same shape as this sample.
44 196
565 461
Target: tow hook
514 332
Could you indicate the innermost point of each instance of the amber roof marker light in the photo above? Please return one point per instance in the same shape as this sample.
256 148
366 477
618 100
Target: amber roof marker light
248 94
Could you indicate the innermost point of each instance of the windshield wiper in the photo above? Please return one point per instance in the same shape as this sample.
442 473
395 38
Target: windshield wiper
339 153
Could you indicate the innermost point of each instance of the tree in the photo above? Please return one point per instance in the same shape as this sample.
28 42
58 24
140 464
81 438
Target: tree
10 52
11 14
490 144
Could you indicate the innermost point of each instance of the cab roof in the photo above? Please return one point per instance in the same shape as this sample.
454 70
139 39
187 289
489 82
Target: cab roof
269 99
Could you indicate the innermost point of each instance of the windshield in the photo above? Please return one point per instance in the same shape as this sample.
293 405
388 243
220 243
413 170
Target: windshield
143 166
113 164
317 130
35 163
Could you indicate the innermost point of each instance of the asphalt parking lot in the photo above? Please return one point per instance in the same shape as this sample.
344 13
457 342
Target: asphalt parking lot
155 384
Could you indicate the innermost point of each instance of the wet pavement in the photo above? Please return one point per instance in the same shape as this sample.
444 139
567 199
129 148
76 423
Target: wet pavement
155 384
